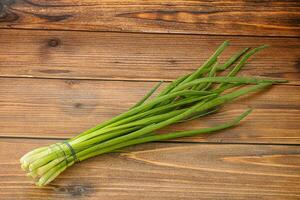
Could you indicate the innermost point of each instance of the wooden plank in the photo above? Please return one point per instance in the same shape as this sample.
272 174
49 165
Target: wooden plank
123 56
162 171
271 18
53 108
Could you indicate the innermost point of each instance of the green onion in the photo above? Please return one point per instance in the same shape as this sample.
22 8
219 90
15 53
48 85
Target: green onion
148 95
187 98
168 136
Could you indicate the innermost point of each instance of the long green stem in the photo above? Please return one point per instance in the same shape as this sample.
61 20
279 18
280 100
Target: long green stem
233 59
208 63
188 97
198 107
242 80
173 85
133 111
243 61
212 73
86 155
161 109
148 95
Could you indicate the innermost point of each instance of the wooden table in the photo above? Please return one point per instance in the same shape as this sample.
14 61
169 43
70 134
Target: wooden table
67 65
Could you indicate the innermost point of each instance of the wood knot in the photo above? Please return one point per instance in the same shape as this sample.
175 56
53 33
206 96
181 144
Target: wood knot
72 82
77 102
78 105
74 190
172 61
6 14
7 2
54 42
78 190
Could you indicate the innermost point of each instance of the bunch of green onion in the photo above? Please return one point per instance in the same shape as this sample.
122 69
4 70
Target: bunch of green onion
188 97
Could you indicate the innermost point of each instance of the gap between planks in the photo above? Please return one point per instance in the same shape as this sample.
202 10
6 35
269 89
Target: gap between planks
107 79
122 56
156 33
82 104
187 17
95 79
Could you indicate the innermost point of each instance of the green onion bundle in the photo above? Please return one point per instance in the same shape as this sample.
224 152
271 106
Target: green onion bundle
188 97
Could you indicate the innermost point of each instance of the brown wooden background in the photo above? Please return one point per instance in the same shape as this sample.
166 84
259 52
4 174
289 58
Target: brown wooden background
66 65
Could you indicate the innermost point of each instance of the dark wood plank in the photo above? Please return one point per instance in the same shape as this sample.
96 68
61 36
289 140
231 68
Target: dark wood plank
123 56
162 171
272 18
52 108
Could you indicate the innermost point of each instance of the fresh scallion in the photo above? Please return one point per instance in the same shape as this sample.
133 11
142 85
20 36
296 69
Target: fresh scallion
188 97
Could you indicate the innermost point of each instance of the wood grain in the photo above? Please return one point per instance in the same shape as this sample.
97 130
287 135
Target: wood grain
52 108
272 18
162 171
124 56
67 65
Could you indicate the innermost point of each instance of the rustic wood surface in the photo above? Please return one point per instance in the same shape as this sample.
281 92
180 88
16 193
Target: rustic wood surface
125 56
235 17
35 105
163 171
67 65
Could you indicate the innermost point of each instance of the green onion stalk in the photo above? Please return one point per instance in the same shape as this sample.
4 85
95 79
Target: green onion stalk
189 97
